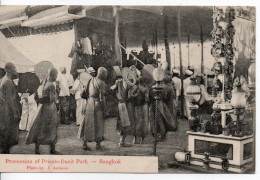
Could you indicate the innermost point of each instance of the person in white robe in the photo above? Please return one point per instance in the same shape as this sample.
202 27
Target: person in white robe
78 88
177 86
29 108
186 83
63 96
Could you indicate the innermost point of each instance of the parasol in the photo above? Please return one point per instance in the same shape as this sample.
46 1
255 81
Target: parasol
41 69
147 73
2 73
28 83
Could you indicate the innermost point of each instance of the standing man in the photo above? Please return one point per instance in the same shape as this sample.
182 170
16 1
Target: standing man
186 83
123 121
92 127
45 125
72 101
63 96
177 85
29 108
10 110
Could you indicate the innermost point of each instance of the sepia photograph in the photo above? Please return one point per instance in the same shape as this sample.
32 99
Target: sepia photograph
150 89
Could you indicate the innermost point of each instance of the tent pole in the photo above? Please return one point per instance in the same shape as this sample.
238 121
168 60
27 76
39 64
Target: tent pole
188 51
202 53
167 49
117 48
180 55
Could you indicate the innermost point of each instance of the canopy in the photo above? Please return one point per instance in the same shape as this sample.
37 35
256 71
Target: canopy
8 53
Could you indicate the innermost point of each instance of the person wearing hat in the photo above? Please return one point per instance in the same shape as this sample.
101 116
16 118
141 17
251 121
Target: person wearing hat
177 86
124 124
177 82
64 94
144 56
186 83
91 71
77 89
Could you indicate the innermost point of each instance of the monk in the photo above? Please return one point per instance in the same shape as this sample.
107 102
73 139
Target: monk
92 127
10 110
44 128
166 120
123 122
141 111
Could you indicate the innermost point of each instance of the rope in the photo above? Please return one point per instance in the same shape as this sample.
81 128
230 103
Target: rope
10 30
132 54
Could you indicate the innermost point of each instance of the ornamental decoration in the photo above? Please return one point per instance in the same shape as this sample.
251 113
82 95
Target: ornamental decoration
223 48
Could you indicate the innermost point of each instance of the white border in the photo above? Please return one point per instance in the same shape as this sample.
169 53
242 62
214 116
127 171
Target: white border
149 176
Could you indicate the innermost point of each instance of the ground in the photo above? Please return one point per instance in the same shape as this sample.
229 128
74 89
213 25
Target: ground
68 144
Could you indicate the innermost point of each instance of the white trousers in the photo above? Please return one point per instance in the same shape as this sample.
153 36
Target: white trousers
27 118
81 105
186 108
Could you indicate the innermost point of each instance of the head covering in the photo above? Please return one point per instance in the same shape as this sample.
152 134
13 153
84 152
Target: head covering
102 70
62 69
198 74
144 45
176 71
91 70
188 72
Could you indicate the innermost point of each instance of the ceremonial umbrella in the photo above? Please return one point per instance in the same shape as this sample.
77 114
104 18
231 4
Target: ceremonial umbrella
147 73
2 73
41 69
28 83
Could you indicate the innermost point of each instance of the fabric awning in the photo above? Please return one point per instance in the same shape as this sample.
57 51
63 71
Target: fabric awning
8 53
54 16
12 16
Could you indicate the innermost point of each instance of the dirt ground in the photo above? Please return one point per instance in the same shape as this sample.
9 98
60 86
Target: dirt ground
69 144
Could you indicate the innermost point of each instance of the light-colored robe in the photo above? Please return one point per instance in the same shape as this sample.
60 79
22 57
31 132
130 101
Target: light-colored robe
28 112
92 127
44 128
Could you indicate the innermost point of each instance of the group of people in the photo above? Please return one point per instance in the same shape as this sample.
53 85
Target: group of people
42 118
136 108
37 112
62 98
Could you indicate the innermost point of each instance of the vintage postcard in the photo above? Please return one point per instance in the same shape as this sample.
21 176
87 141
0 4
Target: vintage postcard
127 89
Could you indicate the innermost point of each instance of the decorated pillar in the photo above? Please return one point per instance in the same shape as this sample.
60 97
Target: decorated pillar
223 51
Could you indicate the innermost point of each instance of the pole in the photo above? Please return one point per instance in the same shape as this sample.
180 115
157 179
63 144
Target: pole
167 49
180 55
188 51
202 53
155 122
117 49
173 57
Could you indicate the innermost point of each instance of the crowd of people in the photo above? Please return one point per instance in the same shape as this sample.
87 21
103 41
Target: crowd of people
81 96
60 99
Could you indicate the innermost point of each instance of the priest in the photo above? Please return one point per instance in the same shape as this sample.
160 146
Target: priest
10 110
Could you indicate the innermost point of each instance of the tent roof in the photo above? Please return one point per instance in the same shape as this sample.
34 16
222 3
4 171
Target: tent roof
8 53
40 16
